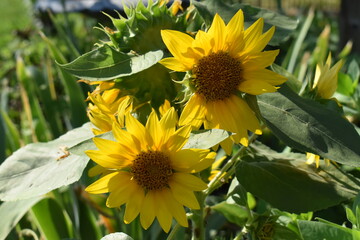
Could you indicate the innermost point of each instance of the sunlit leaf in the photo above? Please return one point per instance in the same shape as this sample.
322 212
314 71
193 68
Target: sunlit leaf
12 212
206 138
41 167
232 212
105 63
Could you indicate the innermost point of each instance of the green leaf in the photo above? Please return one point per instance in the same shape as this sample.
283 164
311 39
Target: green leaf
51 219
204 139
284 25
105 63
39 168
354 72
295 186
117 236
292 81
318 230
345 84
232 212
12 212
307 126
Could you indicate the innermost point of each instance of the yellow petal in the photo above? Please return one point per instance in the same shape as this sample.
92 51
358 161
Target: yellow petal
162 213
138 130
183 195
203 164
189 181
178 44
107 161
154 129
175 208
101 185
187 158
147 213
264 40
216 32
227 145
194 112
134 204
263 75
178 140
259 60
109 147
168 123
174 64
252 34
254 87
234 33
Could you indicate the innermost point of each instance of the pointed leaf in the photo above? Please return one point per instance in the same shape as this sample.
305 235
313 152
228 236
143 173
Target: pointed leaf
307 126
105 63
232 212
317 230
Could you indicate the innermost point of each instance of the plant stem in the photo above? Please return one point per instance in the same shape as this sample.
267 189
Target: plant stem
213 184
173 232
198 229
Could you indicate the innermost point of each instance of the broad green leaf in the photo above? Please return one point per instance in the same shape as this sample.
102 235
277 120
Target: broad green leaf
307 126
105 63
295 186
12 212
206 138
284 25
39 168
51 219
117 236
232 212
354 71
317 230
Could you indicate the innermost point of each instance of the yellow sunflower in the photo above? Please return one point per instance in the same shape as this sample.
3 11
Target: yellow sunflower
149 171
224 63
105 107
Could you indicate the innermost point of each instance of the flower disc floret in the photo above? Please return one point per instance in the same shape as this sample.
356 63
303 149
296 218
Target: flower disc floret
217 76
152 170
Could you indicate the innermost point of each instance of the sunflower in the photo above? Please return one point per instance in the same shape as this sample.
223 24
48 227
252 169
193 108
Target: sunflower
223 64
149 171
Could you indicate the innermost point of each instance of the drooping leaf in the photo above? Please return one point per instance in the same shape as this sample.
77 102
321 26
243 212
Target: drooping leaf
307 126
41 167
317 230
206 138
12 212
105 63
284 25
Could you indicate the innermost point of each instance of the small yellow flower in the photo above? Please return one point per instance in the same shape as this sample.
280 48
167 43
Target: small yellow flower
224 63
149 171
107 107
326 78
313 158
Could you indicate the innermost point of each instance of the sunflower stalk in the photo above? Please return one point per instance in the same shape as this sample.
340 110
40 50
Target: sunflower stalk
223 174
198 218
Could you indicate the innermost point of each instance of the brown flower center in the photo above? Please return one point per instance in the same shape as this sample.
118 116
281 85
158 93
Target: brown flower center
217 76
152 170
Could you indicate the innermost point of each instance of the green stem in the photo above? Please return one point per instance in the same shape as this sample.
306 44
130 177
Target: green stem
300 40
219 178
198 218
173 232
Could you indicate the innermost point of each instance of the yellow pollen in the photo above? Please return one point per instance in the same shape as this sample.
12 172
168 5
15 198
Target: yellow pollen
217 76
151 170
